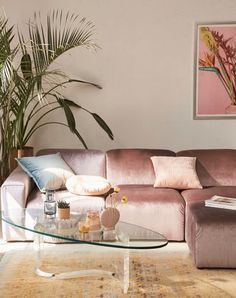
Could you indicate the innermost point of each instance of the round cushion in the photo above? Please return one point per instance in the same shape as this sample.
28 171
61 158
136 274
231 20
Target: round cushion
86 185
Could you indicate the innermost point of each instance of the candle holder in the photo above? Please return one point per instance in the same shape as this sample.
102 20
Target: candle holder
83 226
93 220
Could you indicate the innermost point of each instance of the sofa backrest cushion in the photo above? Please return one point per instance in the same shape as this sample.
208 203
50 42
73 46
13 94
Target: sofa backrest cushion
132 166
214 167
81 161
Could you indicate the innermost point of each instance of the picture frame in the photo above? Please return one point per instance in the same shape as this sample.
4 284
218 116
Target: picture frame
215 71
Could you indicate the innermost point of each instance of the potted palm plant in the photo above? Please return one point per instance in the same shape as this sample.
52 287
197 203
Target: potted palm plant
7 55
34 87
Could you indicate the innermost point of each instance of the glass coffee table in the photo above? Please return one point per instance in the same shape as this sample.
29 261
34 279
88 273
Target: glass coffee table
125 238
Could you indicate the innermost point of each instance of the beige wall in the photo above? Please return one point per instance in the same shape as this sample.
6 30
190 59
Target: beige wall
146 70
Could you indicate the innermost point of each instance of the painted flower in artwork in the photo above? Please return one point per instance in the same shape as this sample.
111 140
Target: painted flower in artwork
220 59
208 38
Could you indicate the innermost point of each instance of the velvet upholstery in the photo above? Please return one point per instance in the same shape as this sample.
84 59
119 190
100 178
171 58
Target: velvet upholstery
212 236
81 161
214 167
158 209
132 166
14 193
196 195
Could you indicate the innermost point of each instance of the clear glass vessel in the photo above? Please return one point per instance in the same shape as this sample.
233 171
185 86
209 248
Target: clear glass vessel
50 207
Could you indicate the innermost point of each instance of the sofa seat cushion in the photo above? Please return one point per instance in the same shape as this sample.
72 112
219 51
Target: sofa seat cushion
80 204
194 196
158 209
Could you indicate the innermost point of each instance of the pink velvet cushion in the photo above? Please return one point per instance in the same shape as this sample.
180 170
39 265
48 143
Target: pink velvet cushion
175 172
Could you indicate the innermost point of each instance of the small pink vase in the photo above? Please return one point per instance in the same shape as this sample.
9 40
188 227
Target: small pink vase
110 217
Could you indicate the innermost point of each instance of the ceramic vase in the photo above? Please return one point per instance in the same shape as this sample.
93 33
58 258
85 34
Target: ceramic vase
110 217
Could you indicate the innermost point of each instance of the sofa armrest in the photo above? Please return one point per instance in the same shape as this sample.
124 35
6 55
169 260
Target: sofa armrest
16 189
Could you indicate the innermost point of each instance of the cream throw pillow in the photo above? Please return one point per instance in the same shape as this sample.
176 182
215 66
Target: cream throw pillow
175 172
86 185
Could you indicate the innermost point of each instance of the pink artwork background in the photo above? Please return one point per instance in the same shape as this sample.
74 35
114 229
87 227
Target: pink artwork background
212 98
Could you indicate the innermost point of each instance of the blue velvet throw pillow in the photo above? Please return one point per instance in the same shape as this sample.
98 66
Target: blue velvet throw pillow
48 171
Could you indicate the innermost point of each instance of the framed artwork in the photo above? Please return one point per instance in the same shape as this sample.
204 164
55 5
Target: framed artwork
215 71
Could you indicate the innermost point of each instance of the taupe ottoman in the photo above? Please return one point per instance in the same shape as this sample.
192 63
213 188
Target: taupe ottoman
211 236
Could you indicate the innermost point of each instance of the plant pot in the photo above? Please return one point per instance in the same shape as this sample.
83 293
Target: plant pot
17 153
110 217
63 213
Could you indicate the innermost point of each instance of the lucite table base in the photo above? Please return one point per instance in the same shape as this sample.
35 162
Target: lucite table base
121 270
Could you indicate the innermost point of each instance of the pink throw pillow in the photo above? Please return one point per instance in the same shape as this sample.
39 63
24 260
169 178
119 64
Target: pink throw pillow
175 172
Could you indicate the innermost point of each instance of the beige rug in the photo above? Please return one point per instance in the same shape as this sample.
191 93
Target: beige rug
167 272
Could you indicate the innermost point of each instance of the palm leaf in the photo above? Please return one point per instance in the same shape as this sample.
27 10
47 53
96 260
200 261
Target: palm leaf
26 66
84 82
98 119
103 125
68 113
80 138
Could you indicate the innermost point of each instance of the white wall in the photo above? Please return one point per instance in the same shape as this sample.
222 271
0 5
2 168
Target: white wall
146 70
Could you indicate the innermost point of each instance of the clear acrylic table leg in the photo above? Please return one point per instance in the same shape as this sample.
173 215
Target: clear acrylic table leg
126 270
40 249
39 243
39 246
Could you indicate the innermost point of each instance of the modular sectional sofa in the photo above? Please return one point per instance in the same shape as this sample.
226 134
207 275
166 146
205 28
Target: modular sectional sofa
177 214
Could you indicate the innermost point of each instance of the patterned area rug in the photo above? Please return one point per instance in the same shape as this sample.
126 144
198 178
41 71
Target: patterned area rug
166 272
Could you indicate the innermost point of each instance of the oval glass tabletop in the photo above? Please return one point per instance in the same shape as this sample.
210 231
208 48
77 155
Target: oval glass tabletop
125 235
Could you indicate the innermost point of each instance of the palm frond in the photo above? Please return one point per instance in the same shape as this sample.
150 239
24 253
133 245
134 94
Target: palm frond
7 54
96 117
68 113
61 33
103 125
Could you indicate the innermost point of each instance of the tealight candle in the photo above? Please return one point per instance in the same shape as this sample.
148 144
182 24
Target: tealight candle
83 226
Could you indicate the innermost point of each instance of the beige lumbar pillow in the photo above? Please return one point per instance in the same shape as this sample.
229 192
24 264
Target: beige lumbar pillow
175 172
86 185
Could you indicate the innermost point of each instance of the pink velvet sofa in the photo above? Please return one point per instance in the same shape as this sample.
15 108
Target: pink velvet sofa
173 213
